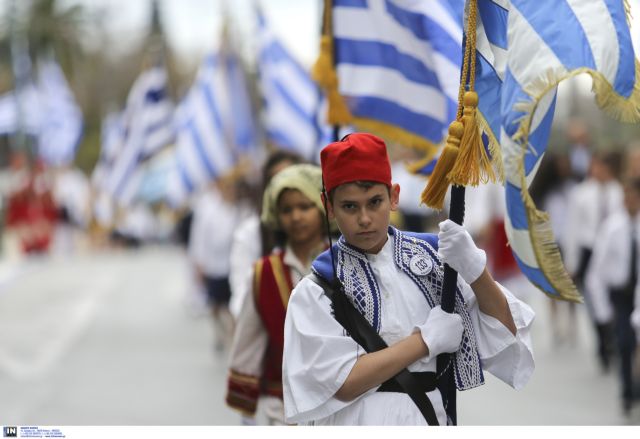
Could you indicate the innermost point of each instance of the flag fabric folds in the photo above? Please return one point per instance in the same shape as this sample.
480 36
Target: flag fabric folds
46 110
293 102
61 119
12 111
111 136
147 127
392 67
215 126
524 49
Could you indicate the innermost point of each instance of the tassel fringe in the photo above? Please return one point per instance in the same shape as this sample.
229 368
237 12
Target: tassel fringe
625 109
325 75
473 165
438 184
494 147
547 252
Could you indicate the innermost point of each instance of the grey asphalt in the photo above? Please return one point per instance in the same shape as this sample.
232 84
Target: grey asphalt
115 338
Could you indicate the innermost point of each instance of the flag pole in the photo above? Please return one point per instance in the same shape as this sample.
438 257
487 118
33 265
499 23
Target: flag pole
463 162
21 66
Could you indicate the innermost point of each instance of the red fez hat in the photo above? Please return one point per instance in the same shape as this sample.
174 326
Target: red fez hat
357 157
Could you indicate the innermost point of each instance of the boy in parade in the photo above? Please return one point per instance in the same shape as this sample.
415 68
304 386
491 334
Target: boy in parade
394 279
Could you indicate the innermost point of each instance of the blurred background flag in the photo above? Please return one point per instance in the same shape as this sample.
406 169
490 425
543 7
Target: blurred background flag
111 138
392 67
148 127
215 126
517 99
238 110
9 111
47 111
60 117
293 102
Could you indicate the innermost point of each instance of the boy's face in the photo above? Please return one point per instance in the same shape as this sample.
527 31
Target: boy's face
362 214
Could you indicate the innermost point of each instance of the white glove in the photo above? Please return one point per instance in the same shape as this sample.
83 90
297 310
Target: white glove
456 248
442 332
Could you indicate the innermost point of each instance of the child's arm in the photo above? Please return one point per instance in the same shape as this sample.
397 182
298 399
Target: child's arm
377 367
491 301
456 248
442 332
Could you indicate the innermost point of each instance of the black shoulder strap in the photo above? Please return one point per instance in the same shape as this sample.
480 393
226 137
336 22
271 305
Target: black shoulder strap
363 333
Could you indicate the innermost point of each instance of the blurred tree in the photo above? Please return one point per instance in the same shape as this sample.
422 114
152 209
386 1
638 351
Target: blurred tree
50 29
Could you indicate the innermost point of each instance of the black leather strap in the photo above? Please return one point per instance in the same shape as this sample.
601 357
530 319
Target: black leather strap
363 333
426 383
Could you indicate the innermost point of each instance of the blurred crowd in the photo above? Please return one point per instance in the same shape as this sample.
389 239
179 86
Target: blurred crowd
57 211
591 193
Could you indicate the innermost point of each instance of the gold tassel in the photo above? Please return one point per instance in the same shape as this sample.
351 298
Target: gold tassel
325 74
473 165
433 195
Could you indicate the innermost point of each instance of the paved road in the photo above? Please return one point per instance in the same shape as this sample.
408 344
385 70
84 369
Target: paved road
108 339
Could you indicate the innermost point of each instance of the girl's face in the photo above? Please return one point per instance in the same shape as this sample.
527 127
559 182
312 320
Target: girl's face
299 218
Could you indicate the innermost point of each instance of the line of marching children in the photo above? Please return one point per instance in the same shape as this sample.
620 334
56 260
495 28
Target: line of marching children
593 199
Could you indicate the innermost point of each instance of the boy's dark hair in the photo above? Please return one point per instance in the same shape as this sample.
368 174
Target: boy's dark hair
275 159
363 184
611 159
632 183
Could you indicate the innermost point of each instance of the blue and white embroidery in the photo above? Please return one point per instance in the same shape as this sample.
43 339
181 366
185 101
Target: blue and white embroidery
360 285
359 282
468 371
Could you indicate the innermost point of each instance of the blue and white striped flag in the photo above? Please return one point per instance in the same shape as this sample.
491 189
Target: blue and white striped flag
12 112
148 127
60 117
215 126
47 111
398 67
292 100
524 50
111 140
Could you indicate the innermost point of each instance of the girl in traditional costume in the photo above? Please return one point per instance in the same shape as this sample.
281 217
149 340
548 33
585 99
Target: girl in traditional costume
292 208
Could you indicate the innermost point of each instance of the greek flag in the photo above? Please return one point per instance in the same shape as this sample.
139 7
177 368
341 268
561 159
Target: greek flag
10 119
215 126
60 117
397 64
148 127
111 138
293 102
524 50
47 111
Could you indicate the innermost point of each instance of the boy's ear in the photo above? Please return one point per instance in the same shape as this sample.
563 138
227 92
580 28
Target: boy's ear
327 204
394 196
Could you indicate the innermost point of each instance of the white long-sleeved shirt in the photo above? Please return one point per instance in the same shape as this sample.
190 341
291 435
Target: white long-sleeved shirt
318 355
610 263
246 248
591 202
214 221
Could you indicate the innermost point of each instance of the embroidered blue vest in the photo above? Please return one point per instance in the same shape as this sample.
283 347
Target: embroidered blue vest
416 254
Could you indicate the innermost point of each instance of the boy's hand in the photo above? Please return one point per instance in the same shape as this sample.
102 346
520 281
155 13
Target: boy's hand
442 332
456 248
